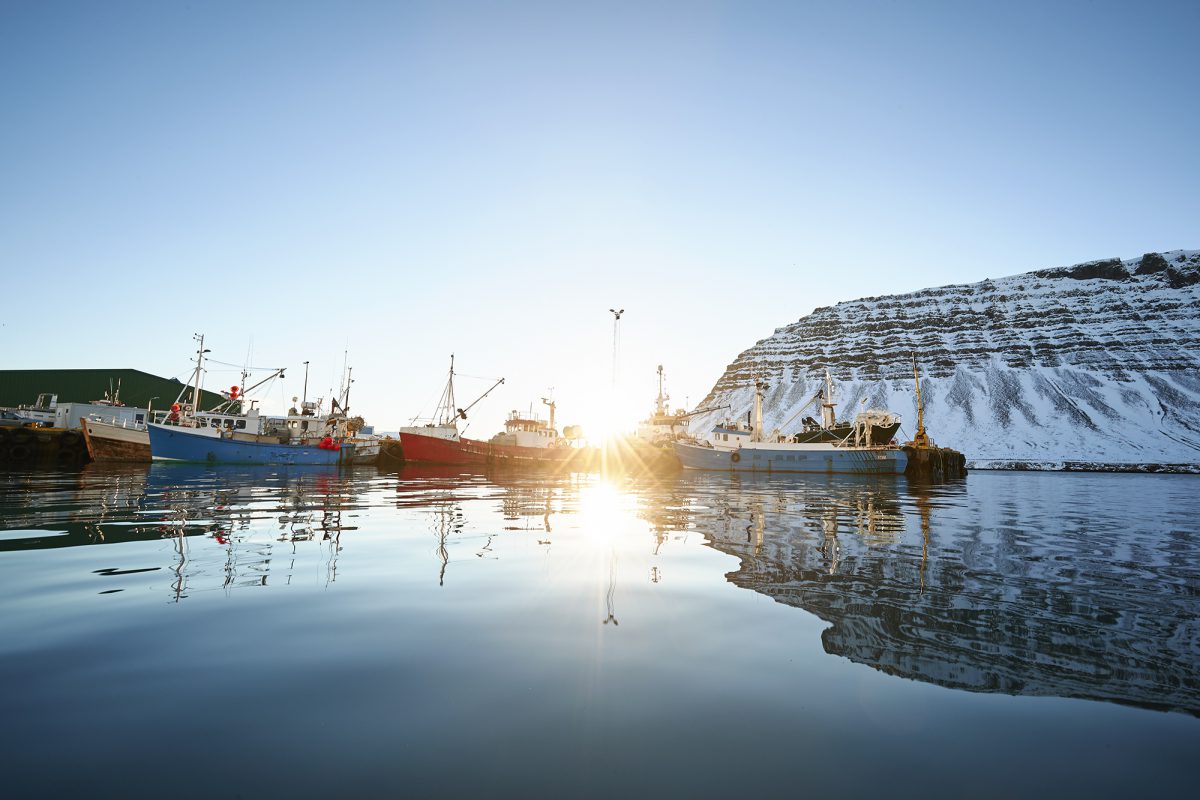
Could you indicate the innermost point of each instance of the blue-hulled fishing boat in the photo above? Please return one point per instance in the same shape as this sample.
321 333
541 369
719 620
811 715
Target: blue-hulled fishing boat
176 443
235 434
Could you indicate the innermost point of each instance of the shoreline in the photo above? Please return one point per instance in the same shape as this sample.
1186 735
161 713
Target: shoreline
1081 466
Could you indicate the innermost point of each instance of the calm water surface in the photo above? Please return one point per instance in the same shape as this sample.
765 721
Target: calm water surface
191 631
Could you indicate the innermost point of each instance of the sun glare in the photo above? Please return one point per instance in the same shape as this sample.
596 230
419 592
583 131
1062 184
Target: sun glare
604 421
600 506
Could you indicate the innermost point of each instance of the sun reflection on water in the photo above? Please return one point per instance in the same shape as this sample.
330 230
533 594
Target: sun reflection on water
601 510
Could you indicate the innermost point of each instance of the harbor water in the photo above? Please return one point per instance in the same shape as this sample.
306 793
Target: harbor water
197 631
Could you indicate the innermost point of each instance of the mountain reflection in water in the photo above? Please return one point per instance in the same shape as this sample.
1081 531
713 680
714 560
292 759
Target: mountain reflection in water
1033 588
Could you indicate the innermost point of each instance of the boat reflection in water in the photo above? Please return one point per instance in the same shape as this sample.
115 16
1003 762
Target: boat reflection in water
1025 585
969 591
231 506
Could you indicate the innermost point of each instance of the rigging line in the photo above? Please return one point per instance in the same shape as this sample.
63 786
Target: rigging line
271 382
458 374
421 415
237 366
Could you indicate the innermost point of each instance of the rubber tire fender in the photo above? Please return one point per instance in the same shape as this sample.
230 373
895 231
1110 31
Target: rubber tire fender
735 457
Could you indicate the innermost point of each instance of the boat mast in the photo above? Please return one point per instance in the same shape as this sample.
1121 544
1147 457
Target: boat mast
552 406
759 386
240 402
197 376
922 438
827 416
449 415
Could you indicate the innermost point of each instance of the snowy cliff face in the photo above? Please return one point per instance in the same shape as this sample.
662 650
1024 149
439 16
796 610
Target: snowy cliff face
1095 363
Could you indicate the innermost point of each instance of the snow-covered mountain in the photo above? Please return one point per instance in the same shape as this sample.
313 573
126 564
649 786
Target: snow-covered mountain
1098 363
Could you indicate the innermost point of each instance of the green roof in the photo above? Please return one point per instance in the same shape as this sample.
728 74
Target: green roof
22 386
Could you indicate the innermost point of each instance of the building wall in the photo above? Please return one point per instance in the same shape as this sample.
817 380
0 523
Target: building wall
22 386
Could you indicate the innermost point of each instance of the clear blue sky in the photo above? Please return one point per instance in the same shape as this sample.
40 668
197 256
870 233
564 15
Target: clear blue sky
410 179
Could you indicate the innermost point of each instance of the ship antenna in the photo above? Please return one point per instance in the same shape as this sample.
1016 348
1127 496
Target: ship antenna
616 342
662 410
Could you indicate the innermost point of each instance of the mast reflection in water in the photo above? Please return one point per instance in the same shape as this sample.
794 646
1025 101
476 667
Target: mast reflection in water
255 516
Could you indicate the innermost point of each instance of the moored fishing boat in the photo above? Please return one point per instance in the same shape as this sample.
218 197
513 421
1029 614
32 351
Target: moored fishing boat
176 443
108 440
114 432
233 434
439 441
526 439
861 447
662 427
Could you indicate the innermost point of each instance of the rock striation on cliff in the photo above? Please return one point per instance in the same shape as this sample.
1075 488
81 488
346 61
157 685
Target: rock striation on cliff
1096 364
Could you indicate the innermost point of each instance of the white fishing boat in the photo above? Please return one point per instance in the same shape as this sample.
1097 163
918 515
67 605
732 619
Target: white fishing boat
663 427
865 447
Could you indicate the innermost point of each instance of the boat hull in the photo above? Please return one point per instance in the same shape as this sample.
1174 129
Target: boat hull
362 451
106 442
422 449
169 443
848 460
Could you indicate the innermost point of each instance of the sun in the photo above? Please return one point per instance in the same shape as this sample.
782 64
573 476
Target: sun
604 421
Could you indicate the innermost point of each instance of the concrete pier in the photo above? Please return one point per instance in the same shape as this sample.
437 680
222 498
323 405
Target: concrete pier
936 463
42 448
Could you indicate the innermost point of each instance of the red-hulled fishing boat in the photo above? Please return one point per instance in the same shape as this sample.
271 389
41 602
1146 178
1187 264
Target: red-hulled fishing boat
526 439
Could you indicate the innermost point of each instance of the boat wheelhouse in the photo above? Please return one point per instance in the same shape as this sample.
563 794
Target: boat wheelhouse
528 430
